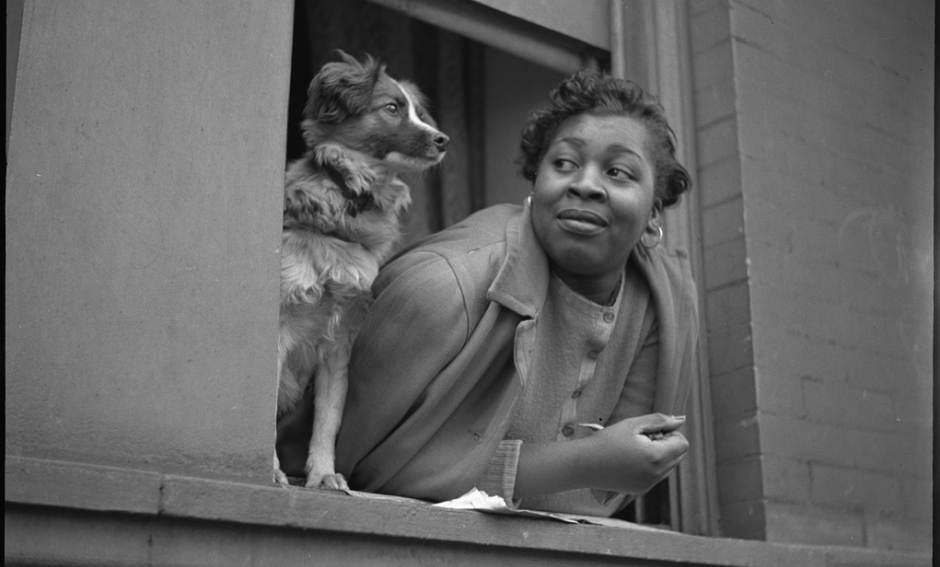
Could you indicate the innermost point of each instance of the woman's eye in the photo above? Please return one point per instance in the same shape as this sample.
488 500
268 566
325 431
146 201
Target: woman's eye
620 174
391 108
562 164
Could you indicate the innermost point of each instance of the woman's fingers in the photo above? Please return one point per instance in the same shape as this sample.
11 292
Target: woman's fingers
661 423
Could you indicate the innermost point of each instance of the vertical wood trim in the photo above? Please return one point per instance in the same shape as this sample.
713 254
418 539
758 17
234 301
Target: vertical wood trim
478 24
697 486
618 47
654 37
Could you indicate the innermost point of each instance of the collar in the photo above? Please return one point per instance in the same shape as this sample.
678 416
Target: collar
521 284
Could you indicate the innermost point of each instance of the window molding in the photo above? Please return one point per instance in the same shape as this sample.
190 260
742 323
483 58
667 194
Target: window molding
495 28
650 45
51 501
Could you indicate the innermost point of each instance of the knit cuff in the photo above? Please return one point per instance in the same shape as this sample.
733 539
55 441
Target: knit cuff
499 478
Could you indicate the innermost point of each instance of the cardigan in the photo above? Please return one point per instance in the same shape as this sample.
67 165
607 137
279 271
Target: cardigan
444 354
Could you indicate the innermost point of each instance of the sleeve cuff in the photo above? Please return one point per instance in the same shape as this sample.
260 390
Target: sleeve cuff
499 478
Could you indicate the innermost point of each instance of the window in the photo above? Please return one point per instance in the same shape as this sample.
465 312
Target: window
484 65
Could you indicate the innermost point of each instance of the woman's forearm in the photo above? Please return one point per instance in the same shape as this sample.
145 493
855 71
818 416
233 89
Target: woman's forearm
620 458
549 467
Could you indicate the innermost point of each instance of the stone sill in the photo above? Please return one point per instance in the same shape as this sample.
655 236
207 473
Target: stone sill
45 490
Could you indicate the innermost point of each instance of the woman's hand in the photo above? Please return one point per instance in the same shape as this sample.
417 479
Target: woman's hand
630 456
635 454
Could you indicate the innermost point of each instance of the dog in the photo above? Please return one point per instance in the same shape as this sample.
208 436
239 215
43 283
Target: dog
342 202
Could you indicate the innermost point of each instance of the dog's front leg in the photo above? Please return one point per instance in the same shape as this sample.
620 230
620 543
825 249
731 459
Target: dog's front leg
357 176
331 381
279 476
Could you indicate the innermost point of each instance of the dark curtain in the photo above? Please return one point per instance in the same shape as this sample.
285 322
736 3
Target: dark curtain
447 68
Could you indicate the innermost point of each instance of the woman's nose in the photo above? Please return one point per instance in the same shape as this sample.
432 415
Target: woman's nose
586 186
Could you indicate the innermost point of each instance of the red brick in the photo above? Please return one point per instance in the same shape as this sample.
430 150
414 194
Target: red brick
740 481
709 27
730 349
744 520
789 191
883 289
728 306
900 535
824 45
725 264
717 142
720 181
786 79
879 333
869 370
779 392
736 439
916 498
713 65
723 222
827 444
733 394
844 404
913 398
795 352
785 480
715 102
807 277
814 319
852 489
702 6
788 523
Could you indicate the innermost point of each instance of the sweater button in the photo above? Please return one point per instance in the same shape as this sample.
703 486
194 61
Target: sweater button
609 316
576 394
567 431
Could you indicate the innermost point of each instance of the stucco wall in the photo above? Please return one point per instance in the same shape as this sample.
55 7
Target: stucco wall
143 196
815 124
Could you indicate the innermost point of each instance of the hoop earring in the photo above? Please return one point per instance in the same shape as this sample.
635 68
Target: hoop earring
659 238
528 200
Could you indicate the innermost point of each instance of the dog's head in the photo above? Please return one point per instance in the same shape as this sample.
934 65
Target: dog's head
360 107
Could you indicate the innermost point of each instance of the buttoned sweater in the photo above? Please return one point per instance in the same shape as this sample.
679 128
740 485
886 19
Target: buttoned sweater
473 347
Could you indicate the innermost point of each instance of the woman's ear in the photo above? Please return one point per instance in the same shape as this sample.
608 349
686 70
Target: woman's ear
653 233
656 213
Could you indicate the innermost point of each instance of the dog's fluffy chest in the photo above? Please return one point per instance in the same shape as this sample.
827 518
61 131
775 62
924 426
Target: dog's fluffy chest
315 265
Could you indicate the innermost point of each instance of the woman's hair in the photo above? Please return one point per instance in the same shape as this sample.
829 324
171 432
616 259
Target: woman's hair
599 94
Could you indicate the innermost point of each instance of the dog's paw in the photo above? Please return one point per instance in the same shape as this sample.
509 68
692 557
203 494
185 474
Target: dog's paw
280 477
331 481
334 481
360 179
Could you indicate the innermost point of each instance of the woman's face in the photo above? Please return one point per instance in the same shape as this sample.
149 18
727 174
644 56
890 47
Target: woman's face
593 195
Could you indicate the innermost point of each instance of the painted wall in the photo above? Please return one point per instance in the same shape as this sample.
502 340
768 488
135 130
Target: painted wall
815 123
143 203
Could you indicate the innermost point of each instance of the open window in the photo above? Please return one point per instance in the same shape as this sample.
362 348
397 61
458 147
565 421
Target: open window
485 65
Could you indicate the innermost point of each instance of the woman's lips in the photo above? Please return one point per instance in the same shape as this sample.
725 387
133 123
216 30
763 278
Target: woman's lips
580 221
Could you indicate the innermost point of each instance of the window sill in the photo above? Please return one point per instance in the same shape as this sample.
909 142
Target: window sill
182 517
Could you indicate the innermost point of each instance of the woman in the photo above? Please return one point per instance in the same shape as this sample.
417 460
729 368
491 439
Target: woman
491 344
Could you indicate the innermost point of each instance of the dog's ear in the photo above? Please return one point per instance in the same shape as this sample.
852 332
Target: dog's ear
342 89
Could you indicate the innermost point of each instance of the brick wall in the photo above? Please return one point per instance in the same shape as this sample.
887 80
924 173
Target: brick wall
814 129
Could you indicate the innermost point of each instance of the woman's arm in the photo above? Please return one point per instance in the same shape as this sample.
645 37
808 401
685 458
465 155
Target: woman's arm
621 458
